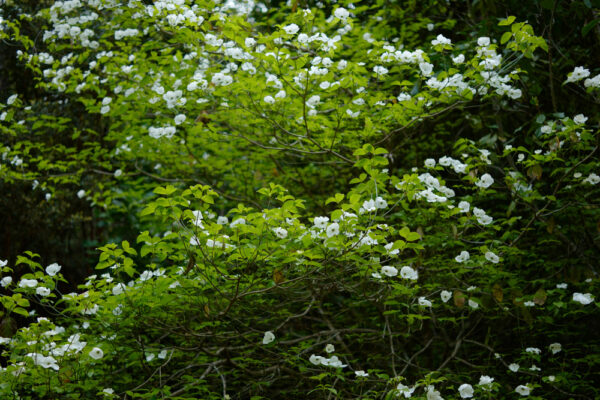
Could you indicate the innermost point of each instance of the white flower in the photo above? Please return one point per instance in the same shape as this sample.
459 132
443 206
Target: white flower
578 74
380 70
118 173
341 13
529 304
441 40
321 222
561 285
491 257
330 348
485 181
313 101
380 203
462 257
514 367
42 291
280 232
445 295
473 304
28 283
424 302
430 163
433 394
81 193
465 390
555 348
179 119
430 27
486 382
533 350
269 100
222 220
464 206
388 270
584 299
268 338
361 373
53 269
316 360
11 99
407 272
104 109
162 355
459 59
291 29
426 68
376 275
403 97
118 289
592 179
96 353
405 390
333 229
7 280
483 41
108 391
369 205
580 119
523 390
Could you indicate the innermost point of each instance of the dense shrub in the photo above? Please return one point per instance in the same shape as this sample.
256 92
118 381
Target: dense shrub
342 201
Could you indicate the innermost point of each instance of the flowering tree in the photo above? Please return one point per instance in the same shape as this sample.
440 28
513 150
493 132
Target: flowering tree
291 245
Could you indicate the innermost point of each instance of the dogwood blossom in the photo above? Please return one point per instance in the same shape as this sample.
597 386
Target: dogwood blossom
466 391
582 298
96 353
388 270
463 256
53 269
268 337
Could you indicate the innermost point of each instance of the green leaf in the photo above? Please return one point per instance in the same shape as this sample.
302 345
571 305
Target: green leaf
507 21
588 27
505 37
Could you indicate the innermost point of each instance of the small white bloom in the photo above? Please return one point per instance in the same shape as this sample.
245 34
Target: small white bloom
321 222
179 119
514 367
491 257
445 295
555 348
280 232
341 13
473 304
96 353
268 338
42 291
361 373
28 283
388 270
53 269
330 348
465 390
333 229
483 41
533 350
529 304
407 272
291 29
485 181
580 119
582 298
7 280
430 163
462 257
424 302
561 285
523 390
